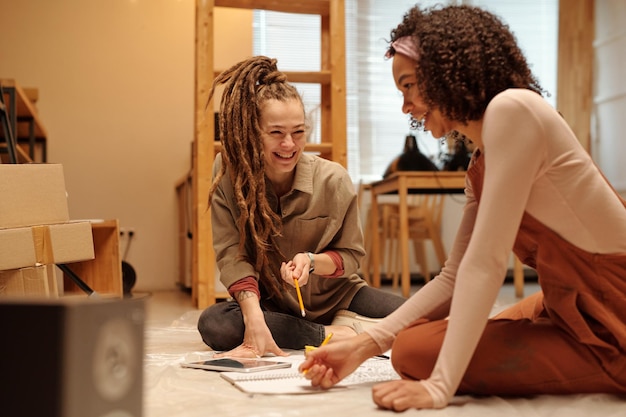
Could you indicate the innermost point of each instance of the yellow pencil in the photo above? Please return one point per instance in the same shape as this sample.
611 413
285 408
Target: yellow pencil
327 339
299 297
312 348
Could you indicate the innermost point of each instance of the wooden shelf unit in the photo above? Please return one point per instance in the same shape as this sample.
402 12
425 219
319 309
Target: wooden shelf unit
332 79
103 274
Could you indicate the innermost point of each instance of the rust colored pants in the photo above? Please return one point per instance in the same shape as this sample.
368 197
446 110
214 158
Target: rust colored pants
520 353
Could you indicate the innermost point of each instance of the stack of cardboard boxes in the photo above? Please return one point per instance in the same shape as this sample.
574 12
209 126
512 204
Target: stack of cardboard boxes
35 230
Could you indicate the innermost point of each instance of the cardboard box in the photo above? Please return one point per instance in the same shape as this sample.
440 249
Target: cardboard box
30 281
17 248
63 243
32 194
46 244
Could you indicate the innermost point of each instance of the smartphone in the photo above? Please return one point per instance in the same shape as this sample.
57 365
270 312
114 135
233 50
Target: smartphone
236 365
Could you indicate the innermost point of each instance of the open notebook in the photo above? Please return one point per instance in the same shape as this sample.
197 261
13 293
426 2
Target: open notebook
290 381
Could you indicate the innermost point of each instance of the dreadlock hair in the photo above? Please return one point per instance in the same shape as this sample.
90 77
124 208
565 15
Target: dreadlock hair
247 86
466 57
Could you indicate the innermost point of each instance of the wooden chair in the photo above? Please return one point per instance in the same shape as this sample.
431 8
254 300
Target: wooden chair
425 213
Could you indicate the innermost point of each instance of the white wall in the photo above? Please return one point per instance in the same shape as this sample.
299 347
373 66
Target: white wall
609 123
608 138
116 94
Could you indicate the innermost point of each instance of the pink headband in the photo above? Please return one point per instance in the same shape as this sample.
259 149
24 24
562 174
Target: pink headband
405 46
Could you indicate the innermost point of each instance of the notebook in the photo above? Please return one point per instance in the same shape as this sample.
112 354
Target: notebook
290 381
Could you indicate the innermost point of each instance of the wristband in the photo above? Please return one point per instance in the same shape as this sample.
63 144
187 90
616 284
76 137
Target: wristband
312 263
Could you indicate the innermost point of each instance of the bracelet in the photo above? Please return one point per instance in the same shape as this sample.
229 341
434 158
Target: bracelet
312 263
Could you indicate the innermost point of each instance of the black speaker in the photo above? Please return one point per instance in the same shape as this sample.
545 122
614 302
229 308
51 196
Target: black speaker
74 357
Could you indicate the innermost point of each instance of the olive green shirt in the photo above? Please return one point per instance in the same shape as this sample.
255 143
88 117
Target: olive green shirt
320 213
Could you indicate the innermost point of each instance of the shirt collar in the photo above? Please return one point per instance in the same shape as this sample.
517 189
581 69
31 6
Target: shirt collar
303 180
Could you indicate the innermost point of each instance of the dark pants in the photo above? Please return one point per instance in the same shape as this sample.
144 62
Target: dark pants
221 325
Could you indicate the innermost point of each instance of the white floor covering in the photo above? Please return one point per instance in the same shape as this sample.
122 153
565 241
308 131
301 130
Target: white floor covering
172 391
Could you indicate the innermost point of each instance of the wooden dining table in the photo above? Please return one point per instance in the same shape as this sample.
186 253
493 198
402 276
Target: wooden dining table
403 183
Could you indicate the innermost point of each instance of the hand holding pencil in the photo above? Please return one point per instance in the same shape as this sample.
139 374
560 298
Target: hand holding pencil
288 273
302 311
329 363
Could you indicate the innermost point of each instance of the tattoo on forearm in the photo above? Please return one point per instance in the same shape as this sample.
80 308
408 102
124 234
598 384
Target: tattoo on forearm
242 295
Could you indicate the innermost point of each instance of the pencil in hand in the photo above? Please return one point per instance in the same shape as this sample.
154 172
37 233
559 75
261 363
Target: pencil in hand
299 297
326 339
308 348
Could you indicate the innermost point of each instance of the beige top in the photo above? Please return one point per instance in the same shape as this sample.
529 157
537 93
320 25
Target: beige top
533 164
320 213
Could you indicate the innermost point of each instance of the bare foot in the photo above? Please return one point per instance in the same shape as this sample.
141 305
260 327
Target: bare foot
340 332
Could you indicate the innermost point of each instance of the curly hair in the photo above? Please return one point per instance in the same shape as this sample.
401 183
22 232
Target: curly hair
466 57
247 86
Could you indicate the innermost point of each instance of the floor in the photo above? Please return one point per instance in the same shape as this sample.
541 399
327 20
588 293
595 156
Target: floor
170 390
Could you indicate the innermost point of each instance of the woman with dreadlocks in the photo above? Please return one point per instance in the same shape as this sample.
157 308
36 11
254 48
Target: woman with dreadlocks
531 188
279 214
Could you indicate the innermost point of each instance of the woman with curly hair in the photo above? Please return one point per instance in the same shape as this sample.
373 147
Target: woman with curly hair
279 214
530 188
